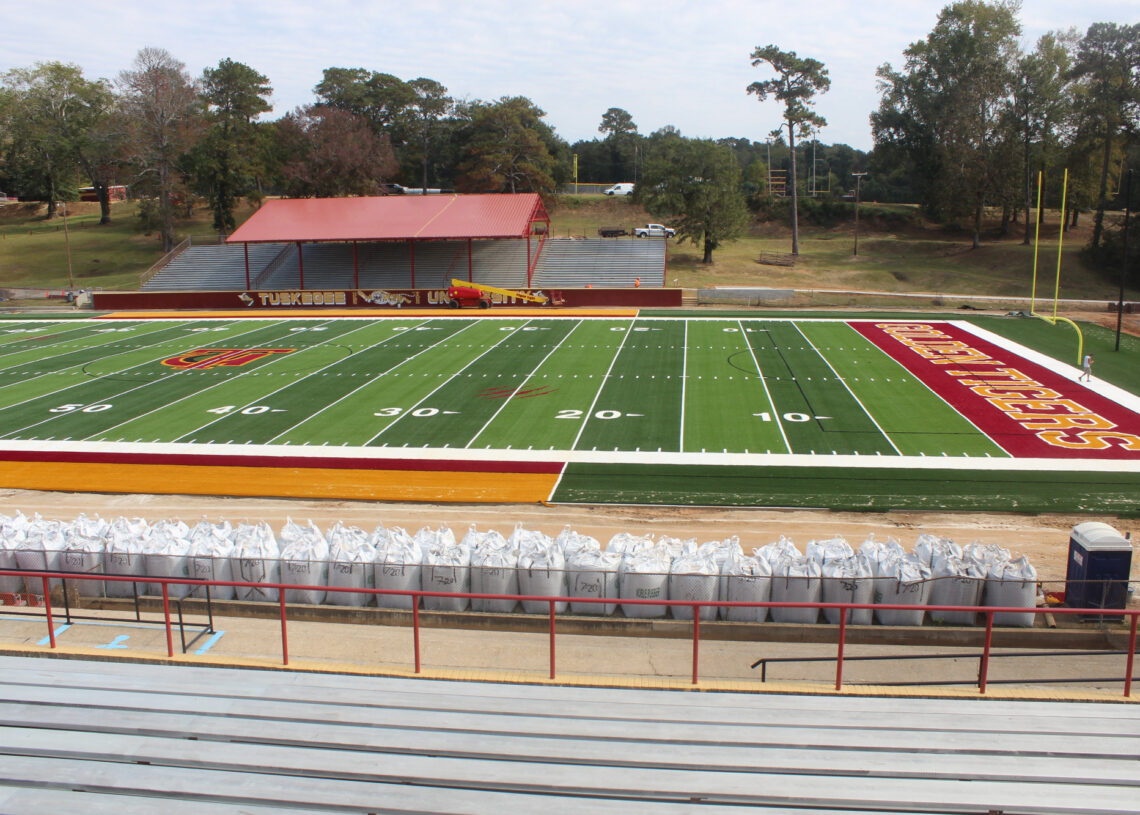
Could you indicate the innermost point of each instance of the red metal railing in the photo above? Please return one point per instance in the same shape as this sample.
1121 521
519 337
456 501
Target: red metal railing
417 597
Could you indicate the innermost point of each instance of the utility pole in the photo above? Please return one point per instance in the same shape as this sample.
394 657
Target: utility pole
858 190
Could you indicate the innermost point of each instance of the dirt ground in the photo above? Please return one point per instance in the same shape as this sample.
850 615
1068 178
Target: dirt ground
1043 538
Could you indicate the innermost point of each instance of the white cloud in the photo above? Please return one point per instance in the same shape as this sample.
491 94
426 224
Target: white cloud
667 62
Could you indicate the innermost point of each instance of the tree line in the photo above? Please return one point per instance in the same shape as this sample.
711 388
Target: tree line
965 124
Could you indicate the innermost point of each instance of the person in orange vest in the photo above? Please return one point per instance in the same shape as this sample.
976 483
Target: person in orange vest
637 282
589 285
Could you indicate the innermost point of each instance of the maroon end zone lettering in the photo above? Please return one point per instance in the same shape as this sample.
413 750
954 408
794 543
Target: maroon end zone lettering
202 358
1029 410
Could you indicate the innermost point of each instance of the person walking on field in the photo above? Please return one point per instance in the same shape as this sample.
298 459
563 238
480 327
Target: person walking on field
1086 376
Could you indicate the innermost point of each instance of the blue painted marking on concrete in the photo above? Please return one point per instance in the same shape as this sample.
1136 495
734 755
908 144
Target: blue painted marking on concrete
208 644
117 642
58 631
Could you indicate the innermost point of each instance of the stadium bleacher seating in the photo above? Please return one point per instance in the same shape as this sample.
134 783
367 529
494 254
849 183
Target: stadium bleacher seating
562 263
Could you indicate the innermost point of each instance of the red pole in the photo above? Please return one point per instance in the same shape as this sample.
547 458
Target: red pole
839 656
1131 656
985 667
47 608
416 628
412 255
166 617
355 268
246 247
284 635
528 257
551 639
696 639
301 265
470 278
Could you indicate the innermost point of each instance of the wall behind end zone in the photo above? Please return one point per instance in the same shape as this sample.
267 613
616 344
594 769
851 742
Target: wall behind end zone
373 299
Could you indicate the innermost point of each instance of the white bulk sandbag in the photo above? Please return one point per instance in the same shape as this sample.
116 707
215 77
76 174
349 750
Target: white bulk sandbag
542 573
836 548
644 576
930 550
304 562
778 552
398 568
494 570
955 582
986 555
352 560
41 550
10 539
747 580
676 547
850 580
1012 584
695 578
796 581
593 573
210 558
627 545
124 555
904 581
86 547
570 543
720 551
446 569
167 555
256 560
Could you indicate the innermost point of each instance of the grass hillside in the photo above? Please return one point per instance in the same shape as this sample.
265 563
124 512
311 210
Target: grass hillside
898 252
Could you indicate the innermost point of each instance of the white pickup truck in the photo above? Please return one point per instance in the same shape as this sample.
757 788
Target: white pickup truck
653 231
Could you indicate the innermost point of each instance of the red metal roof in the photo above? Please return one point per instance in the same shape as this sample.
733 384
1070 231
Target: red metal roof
391 217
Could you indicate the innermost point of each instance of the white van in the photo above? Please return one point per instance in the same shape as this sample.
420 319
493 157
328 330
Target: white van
620 189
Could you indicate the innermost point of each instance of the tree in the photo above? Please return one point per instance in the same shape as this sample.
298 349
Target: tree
330 152
509 149
696 184
379 98
945 113
1108 60
1040 105
424 113
796 84
235 96
163 110
56 121
621 139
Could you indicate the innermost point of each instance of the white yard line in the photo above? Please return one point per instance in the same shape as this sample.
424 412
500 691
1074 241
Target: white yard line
96 379
315 452
858 401
262 397
527 379
375 379
684 384
276 359
6 352
775 412
605 379
506 336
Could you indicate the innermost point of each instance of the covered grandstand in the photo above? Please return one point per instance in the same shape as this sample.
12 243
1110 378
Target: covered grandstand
407 243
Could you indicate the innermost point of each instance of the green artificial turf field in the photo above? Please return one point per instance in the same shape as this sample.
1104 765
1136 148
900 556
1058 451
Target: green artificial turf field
703 410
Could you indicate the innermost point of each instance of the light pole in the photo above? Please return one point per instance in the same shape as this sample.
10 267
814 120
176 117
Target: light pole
858 185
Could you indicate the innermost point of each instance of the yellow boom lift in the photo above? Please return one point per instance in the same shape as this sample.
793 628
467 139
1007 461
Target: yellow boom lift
465 293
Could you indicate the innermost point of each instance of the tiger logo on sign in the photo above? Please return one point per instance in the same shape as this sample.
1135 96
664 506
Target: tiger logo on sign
203 358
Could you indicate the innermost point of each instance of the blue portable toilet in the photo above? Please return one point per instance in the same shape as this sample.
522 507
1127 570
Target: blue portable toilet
1100 561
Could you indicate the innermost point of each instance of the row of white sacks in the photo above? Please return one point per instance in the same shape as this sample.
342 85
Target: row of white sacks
936 572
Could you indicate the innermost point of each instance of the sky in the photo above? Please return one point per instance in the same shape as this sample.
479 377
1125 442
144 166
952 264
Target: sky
669 62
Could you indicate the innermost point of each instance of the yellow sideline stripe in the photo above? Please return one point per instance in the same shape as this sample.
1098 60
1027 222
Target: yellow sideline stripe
284 313
290 482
